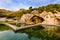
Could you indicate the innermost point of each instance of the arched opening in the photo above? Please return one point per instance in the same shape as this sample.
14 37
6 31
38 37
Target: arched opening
36 19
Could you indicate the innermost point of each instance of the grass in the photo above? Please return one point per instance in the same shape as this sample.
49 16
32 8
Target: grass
3 27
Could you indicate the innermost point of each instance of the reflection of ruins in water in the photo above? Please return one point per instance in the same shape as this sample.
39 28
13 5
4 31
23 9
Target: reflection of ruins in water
45 17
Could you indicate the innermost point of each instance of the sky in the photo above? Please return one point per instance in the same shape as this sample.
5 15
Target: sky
18 4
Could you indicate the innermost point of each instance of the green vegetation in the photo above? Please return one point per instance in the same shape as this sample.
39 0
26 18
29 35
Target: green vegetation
51 8
4 13
4 27
30 8
10 14
36 31
39 32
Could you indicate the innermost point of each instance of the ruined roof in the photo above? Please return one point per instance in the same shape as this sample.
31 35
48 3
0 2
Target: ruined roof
51 14
34 12
43 14
26 17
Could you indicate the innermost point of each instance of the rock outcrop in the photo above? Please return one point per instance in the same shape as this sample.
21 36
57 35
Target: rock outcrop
44 17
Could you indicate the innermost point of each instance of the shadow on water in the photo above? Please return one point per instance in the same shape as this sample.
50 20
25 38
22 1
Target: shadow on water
35 33
39 32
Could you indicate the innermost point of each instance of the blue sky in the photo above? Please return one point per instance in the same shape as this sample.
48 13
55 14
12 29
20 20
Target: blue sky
18 4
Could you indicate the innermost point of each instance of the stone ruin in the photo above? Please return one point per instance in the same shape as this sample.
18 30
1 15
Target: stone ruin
45 17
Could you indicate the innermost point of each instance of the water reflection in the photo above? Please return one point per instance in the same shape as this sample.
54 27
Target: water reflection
10 35
7 34
36 33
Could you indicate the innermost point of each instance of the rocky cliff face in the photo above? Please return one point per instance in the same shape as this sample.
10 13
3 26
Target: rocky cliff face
48 17
32 18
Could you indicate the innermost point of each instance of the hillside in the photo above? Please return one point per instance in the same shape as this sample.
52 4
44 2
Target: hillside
52 8
4 12
49 8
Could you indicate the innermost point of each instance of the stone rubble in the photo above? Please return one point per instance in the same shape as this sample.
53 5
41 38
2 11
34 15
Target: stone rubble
49 17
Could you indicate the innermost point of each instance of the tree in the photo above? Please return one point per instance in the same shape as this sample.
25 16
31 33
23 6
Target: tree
30 8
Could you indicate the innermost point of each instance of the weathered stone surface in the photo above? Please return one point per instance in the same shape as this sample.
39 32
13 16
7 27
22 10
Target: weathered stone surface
35 17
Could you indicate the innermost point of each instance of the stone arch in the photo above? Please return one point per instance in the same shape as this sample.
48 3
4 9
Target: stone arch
37 19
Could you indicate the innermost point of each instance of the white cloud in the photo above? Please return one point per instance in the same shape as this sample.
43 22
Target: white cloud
17 7
56 1
4 3
10 5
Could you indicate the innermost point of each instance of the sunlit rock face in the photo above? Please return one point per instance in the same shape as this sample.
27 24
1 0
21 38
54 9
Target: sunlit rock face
32 18
49 18
26 18
51 21
45 17
57 14
35 12
43 14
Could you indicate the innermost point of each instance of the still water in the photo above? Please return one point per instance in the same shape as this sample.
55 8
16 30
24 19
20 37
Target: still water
10 35
7 33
